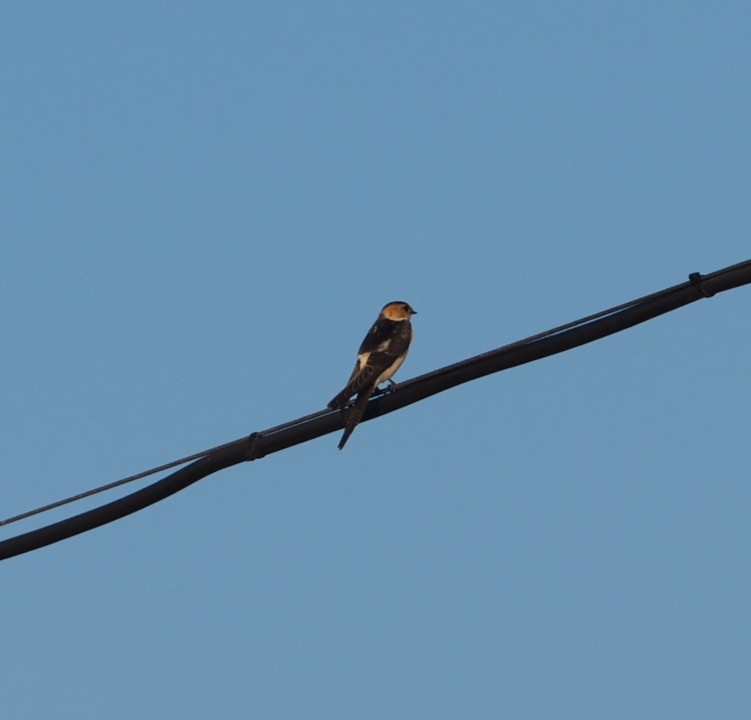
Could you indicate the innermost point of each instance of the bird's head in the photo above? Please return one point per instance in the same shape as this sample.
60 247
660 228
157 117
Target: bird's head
397 311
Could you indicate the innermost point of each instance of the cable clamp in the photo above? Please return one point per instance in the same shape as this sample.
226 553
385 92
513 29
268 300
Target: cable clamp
252 453
698 282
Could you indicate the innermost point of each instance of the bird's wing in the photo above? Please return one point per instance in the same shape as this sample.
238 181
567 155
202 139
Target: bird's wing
368 369
374 366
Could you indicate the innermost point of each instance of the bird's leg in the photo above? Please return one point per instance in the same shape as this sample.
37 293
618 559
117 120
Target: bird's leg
390 387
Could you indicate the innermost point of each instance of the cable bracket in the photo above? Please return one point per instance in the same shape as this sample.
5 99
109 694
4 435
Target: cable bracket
252 453
698 282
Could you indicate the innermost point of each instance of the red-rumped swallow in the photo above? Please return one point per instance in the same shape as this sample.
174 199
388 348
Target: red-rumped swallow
381 354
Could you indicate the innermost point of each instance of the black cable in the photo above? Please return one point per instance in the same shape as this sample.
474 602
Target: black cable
257 445
195 456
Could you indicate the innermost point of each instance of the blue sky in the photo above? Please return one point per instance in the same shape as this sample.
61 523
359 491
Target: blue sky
203 207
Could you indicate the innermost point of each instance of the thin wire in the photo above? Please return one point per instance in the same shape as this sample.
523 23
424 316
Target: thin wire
204 453
110 486
557 330
138 476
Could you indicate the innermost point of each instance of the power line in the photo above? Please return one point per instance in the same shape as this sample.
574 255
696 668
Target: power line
195 456
280 437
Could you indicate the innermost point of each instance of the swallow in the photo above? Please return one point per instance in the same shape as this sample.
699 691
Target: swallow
381 354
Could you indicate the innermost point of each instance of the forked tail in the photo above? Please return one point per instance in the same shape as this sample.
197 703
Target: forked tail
355 415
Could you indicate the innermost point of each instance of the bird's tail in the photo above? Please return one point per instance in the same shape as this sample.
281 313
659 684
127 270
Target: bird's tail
355 415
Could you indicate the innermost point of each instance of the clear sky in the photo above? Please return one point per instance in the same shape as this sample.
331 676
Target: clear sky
203 206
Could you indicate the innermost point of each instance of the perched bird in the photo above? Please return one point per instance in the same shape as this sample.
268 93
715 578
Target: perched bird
381 354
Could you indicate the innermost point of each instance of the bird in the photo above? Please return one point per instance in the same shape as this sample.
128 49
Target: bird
381 354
